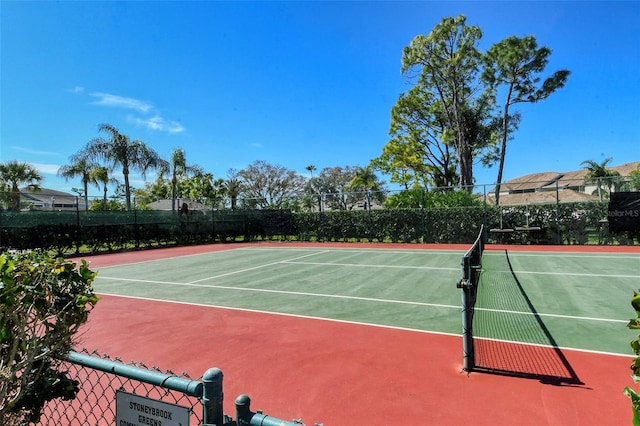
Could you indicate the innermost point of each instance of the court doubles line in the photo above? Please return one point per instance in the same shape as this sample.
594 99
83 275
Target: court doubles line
265 265
344 297
287 292
292 262
573 274
350 322
537 314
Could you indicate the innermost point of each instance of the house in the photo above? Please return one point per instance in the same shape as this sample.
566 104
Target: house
50 200
541 188
166 205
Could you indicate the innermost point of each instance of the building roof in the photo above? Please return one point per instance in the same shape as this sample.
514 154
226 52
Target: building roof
530 182
45 197
627 168
540 188
547 180
542 197
166 204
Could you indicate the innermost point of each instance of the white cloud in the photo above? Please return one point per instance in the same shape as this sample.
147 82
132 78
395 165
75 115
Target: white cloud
35 152
107 99
49 169
153 121
158 123
175 127
77 89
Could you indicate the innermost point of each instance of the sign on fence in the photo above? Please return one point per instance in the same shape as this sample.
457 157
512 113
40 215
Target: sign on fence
624 211
134 410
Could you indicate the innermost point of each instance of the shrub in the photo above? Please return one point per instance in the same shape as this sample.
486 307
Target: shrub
43 302
634 324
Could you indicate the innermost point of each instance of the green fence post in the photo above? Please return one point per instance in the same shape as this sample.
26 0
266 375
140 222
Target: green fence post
136 233
213 220
422 217
212 397
559 231
245 417
77 237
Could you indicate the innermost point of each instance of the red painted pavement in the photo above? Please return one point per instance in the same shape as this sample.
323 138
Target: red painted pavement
346 374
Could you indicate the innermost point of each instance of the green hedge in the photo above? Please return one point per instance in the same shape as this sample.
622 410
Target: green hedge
75 232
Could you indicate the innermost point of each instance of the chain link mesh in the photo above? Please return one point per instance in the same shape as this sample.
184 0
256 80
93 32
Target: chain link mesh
95 402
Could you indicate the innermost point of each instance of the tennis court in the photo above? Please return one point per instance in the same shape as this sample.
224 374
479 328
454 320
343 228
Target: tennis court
351 334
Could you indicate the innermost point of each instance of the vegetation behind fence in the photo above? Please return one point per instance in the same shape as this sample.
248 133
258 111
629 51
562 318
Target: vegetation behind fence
80 232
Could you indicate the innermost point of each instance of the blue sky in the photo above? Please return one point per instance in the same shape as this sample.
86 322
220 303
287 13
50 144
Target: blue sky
293 83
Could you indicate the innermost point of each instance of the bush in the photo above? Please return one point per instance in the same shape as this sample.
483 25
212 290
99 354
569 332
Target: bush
43 302
634 324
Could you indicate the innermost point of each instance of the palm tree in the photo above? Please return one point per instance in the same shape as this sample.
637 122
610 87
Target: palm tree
100 176
310 189
233 186
119 150
179 169
311 168
14 174
596 172
80 166
365 180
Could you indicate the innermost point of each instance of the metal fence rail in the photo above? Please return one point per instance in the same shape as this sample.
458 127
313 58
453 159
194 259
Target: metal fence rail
101 380
99 377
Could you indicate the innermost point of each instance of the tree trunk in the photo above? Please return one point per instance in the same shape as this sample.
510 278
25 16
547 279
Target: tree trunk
174 184
466 170
127 189
503 148
86 194
15 198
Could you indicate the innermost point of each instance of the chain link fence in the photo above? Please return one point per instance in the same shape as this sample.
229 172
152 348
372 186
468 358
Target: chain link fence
95 402
550 211
112 392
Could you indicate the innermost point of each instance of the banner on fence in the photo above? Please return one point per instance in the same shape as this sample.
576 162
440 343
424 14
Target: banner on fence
624 211
134 410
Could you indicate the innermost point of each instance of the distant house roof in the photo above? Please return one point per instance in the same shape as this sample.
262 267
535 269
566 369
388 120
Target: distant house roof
166 204
627 168
530 182
547 180
542 197
540 188
46 198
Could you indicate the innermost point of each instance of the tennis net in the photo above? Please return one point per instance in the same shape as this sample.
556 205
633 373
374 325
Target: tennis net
471 264
510 337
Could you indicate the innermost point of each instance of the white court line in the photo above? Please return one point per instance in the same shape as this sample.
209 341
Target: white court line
489 252
164 259
291 262
538 345
573 274
537 314
418 251
358 298
255 267
389 327
292 293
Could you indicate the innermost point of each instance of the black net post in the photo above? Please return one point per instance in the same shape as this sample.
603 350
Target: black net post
471 264
468 302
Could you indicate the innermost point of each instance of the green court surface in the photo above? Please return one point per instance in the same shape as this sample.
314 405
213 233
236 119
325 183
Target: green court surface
569 300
